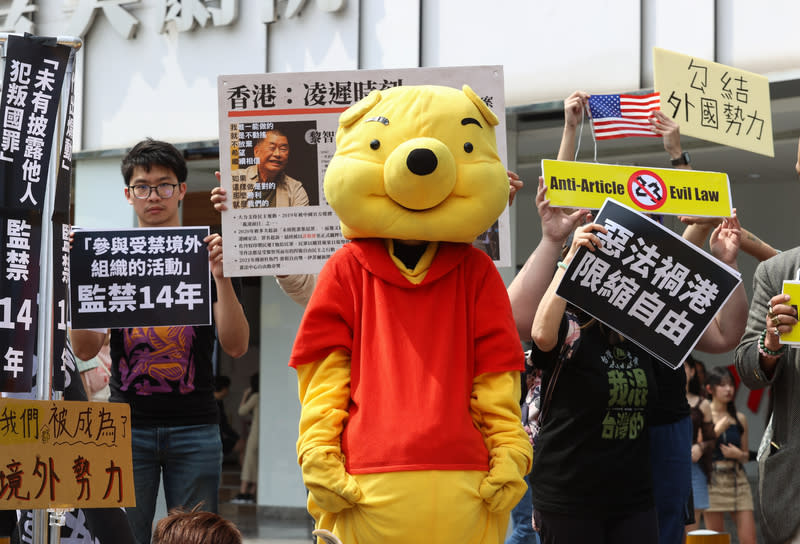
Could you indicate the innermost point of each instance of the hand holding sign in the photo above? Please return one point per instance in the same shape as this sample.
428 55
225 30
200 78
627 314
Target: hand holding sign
214 243
647 283
585 237
557 224
781 318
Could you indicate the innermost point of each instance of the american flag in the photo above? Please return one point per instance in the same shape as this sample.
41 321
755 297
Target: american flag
621 115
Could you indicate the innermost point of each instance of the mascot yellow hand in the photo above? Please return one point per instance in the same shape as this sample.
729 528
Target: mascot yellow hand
496 413
325 396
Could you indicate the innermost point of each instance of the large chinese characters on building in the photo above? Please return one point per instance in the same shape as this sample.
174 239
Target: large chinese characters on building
648 283
279 131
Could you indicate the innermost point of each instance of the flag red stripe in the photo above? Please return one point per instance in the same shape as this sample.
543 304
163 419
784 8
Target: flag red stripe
636 111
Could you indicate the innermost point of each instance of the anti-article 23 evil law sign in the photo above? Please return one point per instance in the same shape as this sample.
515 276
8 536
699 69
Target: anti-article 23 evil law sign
139 278
648 283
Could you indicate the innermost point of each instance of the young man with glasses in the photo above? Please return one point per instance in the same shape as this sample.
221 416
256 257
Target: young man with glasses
175 433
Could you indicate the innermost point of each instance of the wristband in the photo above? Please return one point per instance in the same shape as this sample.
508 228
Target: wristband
764 350
562 264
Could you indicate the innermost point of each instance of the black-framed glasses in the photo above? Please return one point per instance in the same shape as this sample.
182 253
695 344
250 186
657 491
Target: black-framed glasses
163 190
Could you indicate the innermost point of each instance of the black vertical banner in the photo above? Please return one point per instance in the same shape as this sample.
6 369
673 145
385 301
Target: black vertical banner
63 358
20 236
32 81
34 74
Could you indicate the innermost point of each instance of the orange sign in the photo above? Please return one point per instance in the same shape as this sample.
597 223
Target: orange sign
65 454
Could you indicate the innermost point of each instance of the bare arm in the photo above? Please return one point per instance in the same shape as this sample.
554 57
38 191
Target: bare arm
753 245
698 229
697 233
573 112
233 330
727 328
547 320
671 135
529 285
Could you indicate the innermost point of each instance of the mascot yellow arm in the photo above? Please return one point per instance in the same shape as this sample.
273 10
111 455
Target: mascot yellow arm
495 410
324 388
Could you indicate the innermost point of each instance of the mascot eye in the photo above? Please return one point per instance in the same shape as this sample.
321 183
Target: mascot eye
375 144
468 147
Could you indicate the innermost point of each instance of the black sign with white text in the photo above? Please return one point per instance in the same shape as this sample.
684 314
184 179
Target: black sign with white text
20 241
140 278
32 82
648 283
62 356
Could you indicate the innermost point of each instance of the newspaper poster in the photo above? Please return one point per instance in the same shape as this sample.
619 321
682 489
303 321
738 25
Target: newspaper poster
715 102
145 277
277 135
648 283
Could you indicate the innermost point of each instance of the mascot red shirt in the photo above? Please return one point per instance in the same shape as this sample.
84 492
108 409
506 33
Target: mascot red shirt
407 356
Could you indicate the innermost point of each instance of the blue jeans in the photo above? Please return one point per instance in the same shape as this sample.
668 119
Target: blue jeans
671 461
521 526
188 457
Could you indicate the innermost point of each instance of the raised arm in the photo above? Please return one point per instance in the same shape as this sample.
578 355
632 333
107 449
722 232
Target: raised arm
530 283
671 135
233 330
547 320
574 106
725 331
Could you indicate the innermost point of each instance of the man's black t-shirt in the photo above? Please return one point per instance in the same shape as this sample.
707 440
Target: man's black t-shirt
166 374
592 456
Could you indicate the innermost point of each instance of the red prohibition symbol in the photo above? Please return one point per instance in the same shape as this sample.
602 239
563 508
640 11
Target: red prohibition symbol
647 190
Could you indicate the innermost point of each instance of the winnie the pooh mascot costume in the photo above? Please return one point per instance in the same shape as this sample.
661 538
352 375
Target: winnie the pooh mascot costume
407 356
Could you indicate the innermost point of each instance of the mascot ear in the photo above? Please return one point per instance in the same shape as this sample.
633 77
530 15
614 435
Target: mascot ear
488 114
359 109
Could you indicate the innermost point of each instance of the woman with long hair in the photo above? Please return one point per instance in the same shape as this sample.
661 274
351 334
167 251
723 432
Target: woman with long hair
703 439
729 489
591 480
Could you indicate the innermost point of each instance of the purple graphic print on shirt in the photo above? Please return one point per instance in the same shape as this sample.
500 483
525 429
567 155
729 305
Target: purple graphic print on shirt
157 359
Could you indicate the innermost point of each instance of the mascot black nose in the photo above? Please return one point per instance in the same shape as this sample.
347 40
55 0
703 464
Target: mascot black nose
422 161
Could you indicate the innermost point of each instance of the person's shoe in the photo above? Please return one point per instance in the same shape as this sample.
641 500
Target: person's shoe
242 498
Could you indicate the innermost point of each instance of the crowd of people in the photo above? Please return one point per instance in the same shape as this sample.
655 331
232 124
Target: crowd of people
682 463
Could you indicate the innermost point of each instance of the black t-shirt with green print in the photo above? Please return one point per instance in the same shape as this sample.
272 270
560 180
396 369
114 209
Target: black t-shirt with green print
593 452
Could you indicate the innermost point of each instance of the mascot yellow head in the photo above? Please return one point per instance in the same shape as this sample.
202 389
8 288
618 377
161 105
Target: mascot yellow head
417 163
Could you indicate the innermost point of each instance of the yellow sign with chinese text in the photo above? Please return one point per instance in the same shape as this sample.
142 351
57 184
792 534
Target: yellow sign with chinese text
715 102
792 288
65 454
651 190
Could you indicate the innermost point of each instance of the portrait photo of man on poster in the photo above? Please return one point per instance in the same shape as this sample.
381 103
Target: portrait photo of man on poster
280 163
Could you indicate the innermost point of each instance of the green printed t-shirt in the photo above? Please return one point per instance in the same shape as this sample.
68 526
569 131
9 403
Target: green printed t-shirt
592 457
